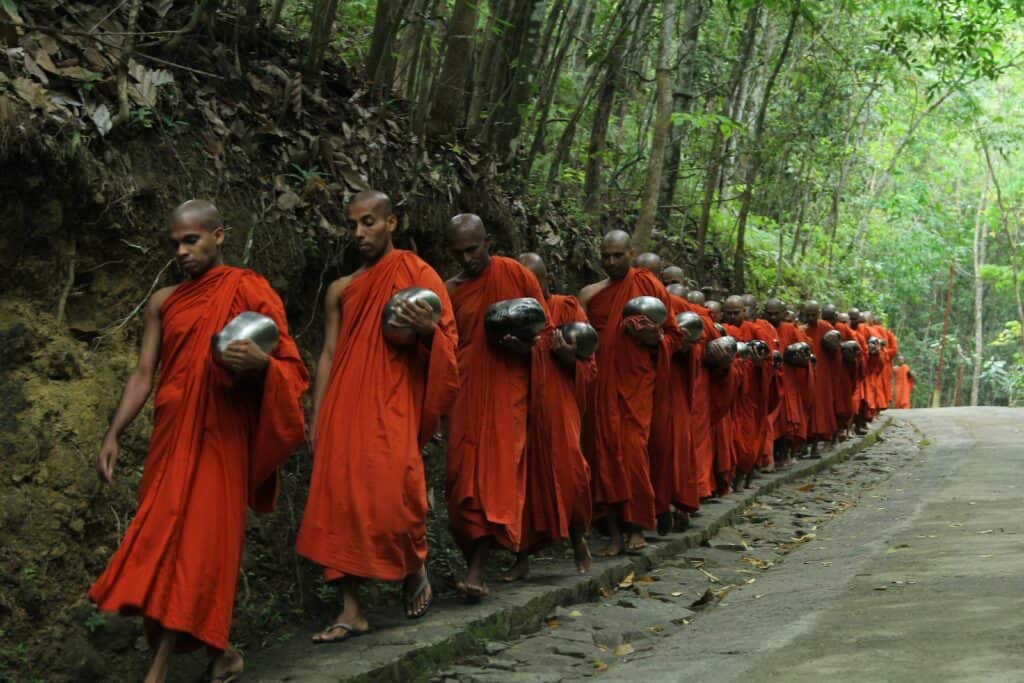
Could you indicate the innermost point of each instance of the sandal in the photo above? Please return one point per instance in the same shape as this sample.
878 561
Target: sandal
350 632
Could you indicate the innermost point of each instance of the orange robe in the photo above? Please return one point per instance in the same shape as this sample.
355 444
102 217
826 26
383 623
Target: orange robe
845 382
622 404
749 411
823 424
367 506
215 445
793 421
557 474
904 386
486 467
891 351
772 390
706 412
875 372
862 394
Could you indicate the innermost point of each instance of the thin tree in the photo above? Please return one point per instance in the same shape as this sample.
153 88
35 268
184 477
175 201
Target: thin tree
978 252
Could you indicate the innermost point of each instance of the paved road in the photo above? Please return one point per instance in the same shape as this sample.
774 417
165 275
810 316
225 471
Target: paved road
951 530
906 565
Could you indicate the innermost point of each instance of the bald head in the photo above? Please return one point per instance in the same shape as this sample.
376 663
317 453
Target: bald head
649 261
695 296
466 225
810 312
749 306
619 238
676 289
733 310
199 213
375 200
830 313
469 244
673 275
617 254
535 264
774 311
715 309
843 318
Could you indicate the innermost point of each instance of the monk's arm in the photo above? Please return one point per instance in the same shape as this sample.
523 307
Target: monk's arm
137 388
332 323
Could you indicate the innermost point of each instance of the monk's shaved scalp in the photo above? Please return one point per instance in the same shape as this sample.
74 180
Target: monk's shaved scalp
467 225
200 212
713 306
617 238
381 203
533 262
673 275
812 306
734 300
749 299
695 296
775 305
649 261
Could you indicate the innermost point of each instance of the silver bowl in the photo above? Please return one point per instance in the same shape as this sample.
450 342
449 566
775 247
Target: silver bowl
744 350
583 335
797 354
850 350
831 340
523 318
395 332
650 307
691 325
720 352
676 289
874 345
759 348
246 325
721 329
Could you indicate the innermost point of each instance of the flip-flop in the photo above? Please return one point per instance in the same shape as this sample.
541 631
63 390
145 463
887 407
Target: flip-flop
423 585
350 632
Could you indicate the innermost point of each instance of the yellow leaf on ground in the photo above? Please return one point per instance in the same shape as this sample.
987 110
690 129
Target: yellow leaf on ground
623 649
628 581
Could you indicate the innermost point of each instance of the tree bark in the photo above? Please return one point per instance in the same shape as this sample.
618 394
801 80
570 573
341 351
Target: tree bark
321 25
509 116
662 124
1010 241
450 93
754 167
980 235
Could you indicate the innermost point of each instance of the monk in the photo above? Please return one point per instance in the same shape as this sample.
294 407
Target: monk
557 505
822 426
375 404
792 423
844 375
622 404
695 296
863 393
670 451
221 429
486 464
904 381
766 332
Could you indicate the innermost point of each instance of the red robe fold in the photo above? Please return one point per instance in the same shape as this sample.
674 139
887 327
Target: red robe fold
772 388
367 506
215 445
823 415
486 468
622 404
904 381
749 410
845 382
557 474
793 420
874 372
891 351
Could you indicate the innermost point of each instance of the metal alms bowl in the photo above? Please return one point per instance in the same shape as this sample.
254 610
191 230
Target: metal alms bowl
759 347
743 350
583 335
523 318
797 354
649 306
720 352
691 325
247 325
831 340
403 335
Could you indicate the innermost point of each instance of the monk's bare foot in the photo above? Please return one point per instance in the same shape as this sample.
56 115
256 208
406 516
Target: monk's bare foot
518 571
473 592
613 549
418 594
665 523
581 551
225 667
636 541
342 629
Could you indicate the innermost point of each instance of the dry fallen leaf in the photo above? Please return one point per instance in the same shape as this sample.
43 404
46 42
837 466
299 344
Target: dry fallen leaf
600 666
604 592
554 623
676 594
623 649
807 487
628 581
705 599
575 614
646 579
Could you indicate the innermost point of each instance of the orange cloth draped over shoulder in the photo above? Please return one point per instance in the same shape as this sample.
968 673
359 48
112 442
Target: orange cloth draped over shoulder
486 467
622 403
904 386
215 445
557 474
772 388
845 382
367 506
670 449
823 414
793 420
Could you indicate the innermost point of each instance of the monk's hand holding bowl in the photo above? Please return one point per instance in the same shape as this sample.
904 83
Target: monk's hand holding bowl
419 315
517 345
563 351
245 357
643 329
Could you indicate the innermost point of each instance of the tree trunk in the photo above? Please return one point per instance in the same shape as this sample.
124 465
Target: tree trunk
662 124
380 61
937 391
980 235
1011 243
275 14
321 25
450 93
509 120
716 157
683 97
483 70
754 167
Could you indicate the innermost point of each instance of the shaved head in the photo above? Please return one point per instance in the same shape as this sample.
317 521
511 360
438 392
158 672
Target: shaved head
733 310
199 213
715 309
649 261
466 225
695 296
810 312
535 264
379 202
673 275
617 254
830 313
676 289
619 238
469 244
774 311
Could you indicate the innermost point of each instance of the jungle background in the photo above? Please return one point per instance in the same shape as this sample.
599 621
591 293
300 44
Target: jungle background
865 152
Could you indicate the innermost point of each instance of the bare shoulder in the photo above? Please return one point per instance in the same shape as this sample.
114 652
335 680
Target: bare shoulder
156 301
451 284
337 288
588 292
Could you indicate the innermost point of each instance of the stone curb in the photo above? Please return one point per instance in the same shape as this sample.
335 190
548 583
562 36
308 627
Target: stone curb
419 660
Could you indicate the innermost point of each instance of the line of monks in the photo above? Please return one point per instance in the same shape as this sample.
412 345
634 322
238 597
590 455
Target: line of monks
542 443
